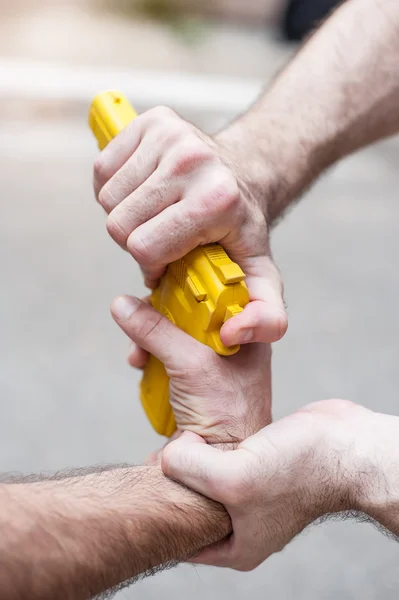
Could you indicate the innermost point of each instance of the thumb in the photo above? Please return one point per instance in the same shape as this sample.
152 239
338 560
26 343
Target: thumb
264 319
202 468
155 333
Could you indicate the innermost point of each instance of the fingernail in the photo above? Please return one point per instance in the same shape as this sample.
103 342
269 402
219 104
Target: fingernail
124 306
245 336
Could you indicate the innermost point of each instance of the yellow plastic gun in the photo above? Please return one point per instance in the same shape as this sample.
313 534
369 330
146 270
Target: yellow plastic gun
198 293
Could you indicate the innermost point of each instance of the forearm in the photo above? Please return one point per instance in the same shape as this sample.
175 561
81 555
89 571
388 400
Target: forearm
77 537
376 483
357 469
338 94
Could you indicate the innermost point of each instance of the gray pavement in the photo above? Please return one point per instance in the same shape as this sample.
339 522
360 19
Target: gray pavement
69 399
67 396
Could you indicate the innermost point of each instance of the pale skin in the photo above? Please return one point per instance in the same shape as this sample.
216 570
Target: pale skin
168 187
77 536
339 93
330 457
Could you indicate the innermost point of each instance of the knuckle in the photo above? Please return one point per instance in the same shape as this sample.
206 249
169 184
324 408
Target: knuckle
167 461
329 405
281 324
162 112
224 195
245 567
102 170
123 220
193 154
337 405
234 492
116 231
105 198
173 462
148 326
334 408
140 250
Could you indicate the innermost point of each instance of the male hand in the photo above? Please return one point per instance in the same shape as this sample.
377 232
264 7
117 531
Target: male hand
314 462
168 188
223 399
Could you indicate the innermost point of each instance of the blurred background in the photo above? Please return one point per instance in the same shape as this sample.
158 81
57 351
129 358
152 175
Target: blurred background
67 396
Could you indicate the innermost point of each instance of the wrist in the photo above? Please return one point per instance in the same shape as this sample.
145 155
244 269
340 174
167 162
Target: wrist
377 490
254 171
271 157
342 465
355 461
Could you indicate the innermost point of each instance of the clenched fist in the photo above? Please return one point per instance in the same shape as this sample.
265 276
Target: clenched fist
168 188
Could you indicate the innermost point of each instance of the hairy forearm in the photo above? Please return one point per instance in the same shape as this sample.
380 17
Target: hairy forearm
339 93
77 537
376 482
358 467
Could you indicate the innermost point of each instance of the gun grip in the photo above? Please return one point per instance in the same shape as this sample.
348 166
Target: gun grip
110 113
154 394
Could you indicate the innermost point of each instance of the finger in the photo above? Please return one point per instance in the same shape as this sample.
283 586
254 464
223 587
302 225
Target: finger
116 154
130 159
264 319
200 467
150 199
257 323
231 554
172 234
163 188
206 213
155 457
216 555
137 357
136 170
156 334
151 281
134 201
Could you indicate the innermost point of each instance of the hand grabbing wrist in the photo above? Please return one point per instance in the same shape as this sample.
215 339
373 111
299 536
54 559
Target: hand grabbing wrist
286 476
